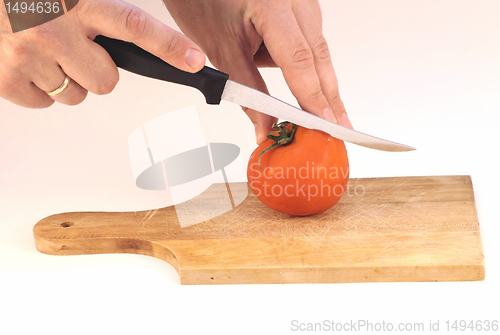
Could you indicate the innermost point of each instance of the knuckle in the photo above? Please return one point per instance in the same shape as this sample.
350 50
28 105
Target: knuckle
171 45
302 57
315 93
321 50
46 36
41 32
85 8
17 53
261 11
21 61
135 20
257 9
338 104
336 97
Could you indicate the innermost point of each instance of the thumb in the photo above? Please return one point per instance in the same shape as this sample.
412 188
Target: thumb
120 20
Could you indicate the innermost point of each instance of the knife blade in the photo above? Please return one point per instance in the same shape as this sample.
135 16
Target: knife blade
216 86
251 98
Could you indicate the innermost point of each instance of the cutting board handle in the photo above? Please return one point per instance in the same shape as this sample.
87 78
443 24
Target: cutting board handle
101 233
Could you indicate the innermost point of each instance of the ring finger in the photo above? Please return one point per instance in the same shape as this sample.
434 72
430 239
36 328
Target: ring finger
52 77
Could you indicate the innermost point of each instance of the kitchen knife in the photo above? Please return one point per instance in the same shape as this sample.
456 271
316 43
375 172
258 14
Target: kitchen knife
216 86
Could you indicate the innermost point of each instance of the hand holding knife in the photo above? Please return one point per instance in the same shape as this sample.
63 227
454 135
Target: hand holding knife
216 86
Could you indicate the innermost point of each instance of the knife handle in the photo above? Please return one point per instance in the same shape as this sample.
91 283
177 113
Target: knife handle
130 57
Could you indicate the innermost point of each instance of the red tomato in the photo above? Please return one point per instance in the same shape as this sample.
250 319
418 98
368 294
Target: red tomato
299 171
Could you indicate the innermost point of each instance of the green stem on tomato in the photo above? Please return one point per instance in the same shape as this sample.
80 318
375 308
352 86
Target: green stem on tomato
282 134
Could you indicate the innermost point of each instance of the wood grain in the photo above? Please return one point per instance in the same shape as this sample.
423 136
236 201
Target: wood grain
384 229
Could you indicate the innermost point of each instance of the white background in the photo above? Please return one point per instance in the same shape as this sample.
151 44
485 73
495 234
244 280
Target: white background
426 73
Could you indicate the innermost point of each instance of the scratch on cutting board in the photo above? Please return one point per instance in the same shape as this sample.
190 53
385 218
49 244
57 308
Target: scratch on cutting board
377 215
148 216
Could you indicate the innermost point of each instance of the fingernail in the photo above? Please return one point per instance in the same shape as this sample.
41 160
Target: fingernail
194 59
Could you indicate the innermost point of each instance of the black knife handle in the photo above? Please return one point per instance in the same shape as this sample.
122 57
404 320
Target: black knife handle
130 57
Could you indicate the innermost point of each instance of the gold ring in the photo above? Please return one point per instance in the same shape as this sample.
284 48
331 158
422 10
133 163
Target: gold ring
60 89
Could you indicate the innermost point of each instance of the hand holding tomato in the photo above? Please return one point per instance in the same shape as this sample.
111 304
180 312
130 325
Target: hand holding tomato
299 171
240 36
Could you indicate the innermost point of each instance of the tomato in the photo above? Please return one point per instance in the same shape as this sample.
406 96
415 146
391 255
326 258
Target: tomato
299 171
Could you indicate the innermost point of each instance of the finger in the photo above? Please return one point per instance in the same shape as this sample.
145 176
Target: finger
262 58
16 62
52 77
120 20
24 93
308 14
91 67
242 69
248 75
291 52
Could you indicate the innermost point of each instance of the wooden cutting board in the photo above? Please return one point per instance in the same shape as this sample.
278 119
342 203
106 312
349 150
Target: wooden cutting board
387 229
